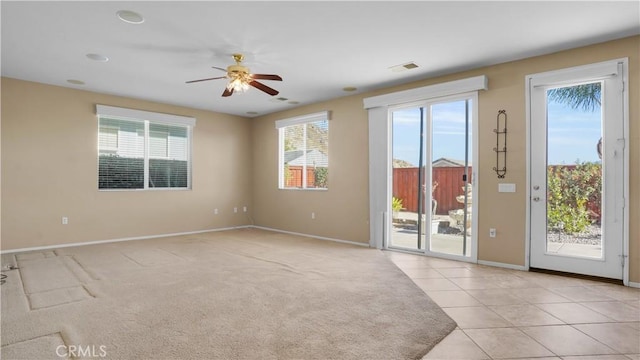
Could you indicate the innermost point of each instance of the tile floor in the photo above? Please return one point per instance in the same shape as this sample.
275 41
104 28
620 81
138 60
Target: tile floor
511 314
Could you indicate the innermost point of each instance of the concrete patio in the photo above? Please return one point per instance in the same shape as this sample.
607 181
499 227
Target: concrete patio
404 235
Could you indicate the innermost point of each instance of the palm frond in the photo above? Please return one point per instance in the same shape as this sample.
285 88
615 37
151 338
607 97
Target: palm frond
586 96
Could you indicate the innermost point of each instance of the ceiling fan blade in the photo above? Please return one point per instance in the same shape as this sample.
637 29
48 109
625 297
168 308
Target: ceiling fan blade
263 87
266 77
219 77
227 92
219 68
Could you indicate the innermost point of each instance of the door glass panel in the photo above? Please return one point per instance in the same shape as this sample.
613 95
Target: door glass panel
432 191
406 125
574 171
452 198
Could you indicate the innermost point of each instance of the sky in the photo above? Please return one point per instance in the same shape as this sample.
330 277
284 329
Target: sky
572 134
448 133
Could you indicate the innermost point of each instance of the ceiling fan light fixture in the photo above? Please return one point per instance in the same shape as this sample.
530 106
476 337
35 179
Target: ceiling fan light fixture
239 83
241 79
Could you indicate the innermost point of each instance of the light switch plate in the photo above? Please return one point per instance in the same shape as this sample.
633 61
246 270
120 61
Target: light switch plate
506 187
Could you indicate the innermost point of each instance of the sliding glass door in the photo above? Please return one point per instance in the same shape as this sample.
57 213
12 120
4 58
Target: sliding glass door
408 197
432 187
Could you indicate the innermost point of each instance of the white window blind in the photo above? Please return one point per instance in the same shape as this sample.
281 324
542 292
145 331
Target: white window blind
304 152
108 138
137 153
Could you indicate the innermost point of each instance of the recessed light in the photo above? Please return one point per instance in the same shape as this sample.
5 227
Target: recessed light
98 57
75 82
130 17
349 88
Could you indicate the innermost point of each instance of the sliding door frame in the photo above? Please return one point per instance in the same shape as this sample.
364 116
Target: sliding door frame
380 174
471 115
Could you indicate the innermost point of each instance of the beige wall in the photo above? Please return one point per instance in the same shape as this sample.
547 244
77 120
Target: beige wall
341 212
49 166
49 170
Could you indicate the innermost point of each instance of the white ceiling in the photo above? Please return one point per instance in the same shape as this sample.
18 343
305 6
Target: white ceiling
317 47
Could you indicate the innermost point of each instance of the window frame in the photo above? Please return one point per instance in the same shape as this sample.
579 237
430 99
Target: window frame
298 120
147 118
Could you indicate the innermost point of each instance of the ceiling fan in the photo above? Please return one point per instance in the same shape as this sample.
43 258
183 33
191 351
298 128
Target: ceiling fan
240 79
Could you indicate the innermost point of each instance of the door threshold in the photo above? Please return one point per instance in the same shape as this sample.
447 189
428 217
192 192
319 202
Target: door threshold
405 250
578 276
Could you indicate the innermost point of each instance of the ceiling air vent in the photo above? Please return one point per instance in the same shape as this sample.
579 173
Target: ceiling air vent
404 67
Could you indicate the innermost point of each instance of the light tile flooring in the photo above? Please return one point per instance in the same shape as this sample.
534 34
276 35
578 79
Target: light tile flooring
511 314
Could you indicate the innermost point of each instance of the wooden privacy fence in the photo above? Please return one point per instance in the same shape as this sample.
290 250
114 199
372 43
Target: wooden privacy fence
448 178
294 177
316 177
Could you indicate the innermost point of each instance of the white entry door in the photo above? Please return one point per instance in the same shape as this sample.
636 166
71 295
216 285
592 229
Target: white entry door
577 170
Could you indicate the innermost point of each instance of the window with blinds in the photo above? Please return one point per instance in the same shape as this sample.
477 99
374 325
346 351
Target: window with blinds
304 152
143 150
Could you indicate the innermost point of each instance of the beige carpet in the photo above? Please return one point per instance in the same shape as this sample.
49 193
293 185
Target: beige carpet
239 294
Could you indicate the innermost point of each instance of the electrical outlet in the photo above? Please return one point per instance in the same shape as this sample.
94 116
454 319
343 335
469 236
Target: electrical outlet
244 209
65 220
215 211
492 232
313 215
235 209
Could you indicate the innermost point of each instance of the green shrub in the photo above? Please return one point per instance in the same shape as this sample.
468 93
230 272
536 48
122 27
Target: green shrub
116 172
396 204
321 177
570 191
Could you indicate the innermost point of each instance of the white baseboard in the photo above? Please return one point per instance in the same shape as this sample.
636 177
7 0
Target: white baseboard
502 265
49 247
310 236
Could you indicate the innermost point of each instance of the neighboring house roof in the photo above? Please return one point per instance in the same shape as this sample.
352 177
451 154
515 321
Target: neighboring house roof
313 158
444 162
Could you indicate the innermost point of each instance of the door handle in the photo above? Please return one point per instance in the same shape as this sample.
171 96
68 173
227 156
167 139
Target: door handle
536 198
536 187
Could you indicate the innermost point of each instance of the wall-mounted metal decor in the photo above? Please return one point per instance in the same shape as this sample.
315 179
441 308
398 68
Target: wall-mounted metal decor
501 144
